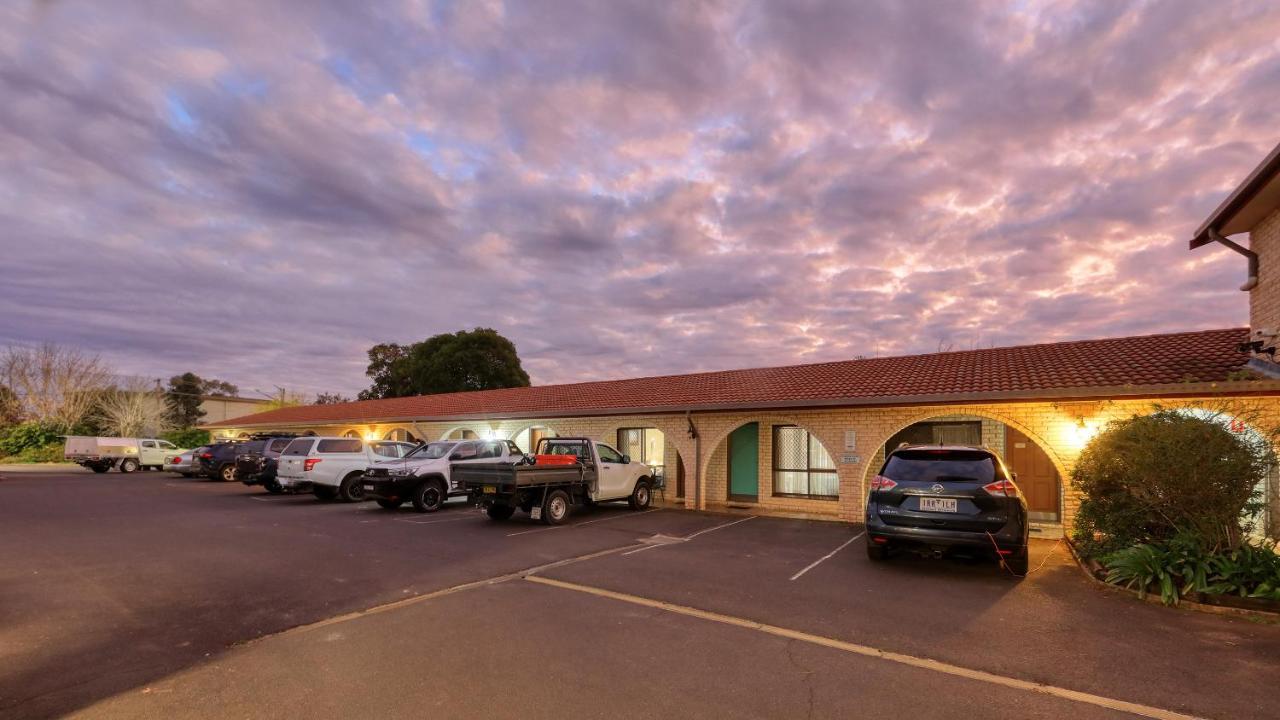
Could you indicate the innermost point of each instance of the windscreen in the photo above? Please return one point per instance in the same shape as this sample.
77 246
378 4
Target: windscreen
300 446
927 466
577 448
431 451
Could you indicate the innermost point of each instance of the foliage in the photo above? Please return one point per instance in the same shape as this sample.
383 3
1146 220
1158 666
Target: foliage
134 409
53 385
218 388
1149 477
187 437
479 359
283 397
1185 564
50 453
330 399
10 408
28 435
183 400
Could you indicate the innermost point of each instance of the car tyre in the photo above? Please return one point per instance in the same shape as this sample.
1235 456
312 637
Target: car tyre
557 507
128 465
878 553
641 496
1019 563
227 473
324 492
500 512
351 489
429 496
99 468
273 486
386 504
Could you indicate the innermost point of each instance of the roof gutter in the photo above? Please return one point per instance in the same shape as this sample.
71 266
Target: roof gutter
1182 389
1252 256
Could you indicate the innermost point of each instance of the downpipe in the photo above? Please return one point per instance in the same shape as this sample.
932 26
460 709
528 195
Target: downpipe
697 460
1252 256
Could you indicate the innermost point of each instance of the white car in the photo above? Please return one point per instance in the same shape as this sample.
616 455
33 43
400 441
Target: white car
423 477
331 467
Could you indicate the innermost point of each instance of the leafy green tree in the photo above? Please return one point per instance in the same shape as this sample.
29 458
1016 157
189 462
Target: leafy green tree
479 359
218 388
330 399
183 400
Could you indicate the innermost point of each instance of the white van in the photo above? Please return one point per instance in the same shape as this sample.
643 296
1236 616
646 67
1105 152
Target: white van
331 467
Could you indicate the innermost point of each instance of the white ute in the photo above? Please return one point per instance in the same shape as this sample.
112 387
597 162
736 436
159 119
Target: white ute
423 476
100 454
331 467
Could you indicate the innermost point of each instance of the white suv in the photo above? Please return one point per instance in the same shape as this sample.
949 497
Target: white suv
331 467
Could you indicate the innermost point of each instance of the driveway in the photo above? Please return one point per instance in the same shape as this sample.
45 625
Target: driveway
150 595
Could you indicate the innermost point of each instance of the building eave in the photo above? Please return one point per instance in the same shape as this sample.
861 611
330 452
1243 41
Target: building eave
1253 199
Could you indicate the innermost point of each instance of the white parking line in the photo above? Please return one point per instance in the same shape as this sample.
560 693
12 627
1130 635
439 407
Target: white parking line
432 522
826 557
558 527
873 652
687 538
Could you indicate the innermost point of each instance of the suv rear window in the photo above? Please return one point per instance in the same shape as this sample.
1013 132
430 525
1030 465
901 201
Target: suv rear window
926 466
300 446
343 445
279 444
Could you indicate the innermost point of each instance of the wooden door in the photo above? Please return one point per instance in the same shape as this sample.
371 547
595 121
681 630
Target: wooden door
1037 476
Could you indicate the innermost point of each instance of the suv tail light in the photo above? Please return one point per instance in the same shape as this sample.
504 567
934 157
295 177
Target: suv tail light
881 482
1003 488
206 456
309 463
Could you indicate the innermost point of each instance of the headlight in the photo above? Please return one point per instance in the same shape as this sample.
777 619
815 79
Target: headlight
400 472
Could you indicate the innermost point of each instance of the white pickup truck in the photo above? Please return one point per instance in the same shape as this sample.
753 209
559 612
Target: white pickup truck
100 454
423 476
331 467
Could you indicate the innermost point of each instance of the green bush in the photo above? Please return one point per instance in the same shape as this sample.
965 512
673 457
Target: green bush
1146 479
187 437
1183 565
29 435
46 454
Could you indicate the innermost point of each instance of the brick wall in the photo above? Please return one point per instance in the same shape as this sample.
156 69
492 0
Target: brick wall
1264 300
1061 429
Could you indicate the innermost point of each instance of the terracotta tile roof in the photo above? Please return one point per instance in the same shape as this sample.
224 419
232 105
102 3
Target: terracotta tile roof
1051 370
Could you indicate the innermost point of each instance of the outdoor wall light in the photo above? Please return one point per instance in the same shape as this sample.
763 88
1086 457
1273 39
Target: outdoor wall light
370 435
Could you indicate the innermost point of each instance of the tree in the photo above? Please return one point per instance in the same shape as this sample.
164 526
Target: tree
218 388
479 359
54 385
10 408
283 397
330 399
183 400
135 409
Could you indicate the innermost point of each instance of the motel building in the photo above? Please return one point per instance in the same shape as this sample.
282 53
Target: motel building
806 440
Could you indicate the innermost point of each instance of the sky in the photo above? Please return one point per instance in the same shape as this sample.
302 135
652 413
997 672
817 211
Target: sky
261 190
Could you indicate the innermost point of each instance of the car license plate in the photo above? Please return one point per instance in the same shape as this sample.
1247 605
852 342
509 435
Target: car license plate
489 489
932 504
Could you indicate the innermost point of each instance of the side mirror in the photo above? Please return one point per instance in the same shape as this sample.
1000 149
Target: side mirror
626 459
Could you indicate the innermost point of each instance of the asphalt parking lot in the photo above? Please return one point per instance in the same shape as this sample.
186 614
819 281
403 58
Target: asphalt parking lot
151 595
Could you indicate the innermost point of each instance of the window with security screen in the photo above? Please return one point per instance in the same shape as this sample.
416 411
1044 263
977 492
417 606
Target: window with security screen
801 466
643 445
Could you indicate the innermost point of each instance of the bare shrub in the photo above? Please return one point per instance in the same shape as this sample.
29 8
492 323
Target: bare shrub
53 385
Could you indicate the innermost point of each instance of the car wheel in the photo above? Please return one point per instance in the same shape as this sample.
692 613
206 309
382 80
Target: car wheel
500 512
428 497
273 486
227 473
641 496
878 553
99 468
352 488
556 509
390 504
324 492
128 465
1019 563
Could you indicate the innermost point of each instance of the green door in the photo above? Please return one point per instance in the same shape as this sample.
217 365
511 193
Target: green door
744 462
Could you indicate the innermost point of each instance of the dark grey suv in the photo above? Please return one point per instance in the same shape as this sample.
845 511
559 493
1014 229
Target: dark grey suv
939 498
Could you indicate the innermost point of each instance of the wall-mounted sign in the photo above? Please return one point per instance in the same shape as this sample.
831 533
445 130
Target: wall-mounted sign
850 459
851 440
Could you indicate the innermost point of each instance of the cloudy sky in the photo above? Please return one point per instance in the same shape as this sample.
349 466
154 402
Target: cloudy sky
259 190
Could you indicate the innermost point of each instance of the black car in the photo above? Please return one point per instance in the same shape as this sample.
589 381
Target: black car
218 461
937 499
257 466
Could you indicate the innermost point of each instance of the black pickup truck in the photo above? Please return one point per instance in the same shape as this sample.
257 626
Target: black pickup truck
565 472
256 463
